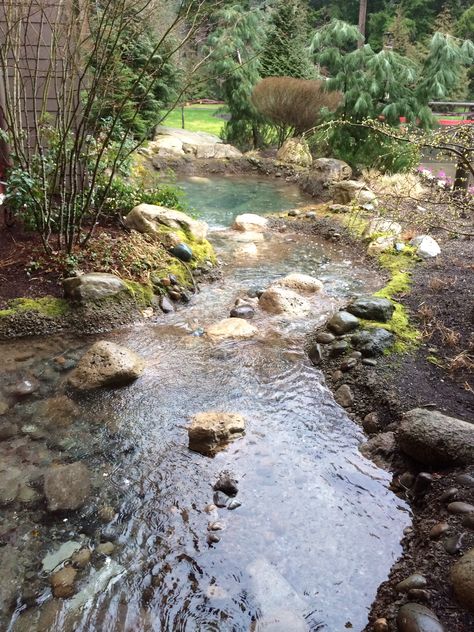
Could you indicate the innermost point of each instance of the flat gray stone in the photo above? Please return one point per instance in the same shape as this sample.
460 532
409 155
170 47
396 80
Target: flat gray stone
372 308
342 323
93 286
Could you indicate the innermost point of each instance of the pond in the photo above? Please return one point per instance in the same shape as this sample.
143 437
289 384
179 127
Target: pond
317 529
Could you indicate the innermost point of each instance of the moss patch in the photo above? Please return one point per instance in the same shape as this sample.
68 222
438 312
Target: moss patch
47 306
141 293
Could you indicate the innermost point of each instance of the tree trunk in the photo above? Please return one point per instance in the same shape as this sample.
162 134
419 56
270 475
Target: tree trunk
362 18
461 179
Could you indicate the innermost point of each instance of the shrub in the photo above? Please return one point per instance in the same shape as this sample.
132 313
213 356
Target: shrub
293 105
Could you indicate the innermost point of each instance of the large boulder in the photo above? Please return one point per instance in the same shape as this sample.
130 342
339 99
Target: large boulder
211 431
149 219
231 328
462 578
67 487
300 283
93 286
281 300
435 439
106 364
295 151
324 171
249 222
346 191
372 308
170 142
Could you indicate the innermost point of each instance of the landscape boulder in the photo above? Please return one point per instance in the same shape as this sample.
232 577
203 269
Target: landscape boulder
295 151
372 308
211 431
172 142
380 245
346 191
67 487
316 181
435 439
106 364
372 342
150 219
300 283
462 578
426 246
382 227
93 286
281 300
232 327
249 222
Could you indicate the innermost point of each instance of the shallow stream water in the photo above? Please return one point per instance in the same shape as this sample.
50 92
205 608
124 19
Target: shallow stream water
317 529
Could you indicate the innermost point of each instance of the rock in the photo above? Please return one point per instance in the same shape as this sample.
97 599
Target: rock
249 222
413 617
438 530
413 581
10 483
182 252
149 219
339 208
342 323
234 504
166 305
93 286
82 558
58 411
67 487
231 328
242 311
227 484
407 480
380 245
436 439
453 544
300 283
465 479
337 375
216 526
212 431
173 143
462 578
426 246
106 548
369 362
348 364
381 625
106 513
295 151
380 448
459 507
280 300
338 348
25 387
62 582
345 191
372 308
255 292
212 538
423 483
373 342
324 171
468 521
325 338
418 594
382 227
344 396
220 499
449 495
106 364
315 354
7 431
371 423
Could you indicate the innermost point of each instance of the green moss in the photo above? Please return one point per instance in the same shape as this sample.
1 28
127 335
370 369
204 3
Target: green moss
47 306
142 294
355 223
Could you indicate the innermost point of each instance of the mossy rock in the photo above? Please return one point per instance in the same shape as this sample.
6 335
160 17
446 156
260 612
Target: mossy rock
46 306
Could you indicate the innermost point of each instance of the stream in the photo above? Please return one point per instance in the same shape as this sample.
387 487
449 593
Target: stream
317 529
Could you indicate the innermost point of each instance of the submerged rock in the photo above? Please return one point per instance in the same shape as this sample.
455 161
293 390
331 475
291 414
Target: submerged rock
249 222
300 283
212 431
436 439
106 364
342 323
280 300
67 487
462 578
93 286
372 308
231 328
150 219
62 582
413 617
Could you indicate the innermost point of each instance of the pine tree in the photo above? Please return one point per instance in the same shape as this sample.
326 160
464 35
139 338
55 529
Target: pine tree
285 53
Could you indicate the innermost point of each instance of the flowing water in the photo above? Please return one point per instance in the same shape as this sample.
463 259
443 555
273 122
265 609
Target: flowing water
317 529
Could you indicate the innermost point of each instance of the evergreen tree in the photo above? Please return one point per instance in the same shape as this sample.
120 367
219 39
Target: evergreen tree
234 46
285 53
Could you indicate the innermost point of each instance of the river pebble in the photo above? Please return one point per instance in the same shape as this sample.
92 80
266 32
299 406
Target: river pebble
106 548
413 617
413 581
325 338
465 479
227 484
216 526
344 396
62 582
439 529
234 504
220 499
453 544
449 495
460 508
381 625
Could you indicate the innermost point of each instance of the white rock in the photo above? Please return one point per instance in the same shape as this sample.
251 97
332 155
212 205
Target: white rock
250 222
231 328
300 283
426 246
147 218
382 225
281 300
379 245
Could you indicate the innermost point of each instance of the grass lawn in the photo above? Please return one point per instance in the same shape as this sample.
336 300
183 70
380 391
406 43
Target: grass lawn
197 118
